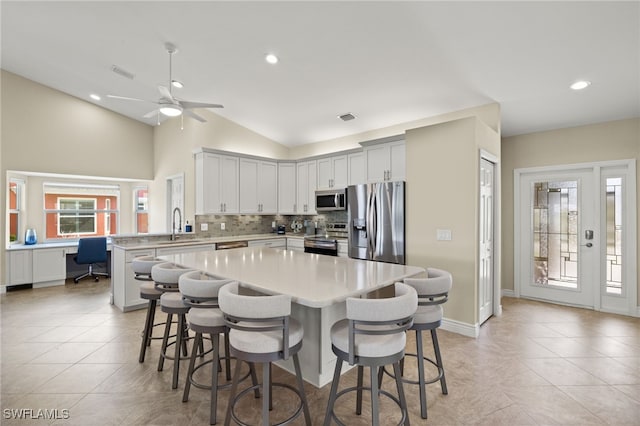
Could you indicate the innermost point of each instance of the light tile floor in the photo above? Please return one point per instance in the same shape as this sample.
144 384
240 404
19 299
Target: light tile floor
66 348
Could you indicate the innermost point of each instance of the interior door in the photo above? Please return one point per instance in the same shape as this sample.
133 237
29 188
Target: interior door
486 273
557 230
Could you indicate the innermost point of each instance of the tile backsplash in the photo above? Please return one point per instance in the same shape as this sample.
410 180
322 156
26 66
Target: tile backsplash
259 224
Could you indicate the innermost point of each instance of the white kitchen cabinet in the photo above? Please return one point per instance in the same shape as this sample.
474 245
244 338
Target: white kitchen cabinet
164 251
49 266
306 187
385 161
286 188
258 186
126 289
332 172
356 169
216 183
20 267
296 244
343 249
271 243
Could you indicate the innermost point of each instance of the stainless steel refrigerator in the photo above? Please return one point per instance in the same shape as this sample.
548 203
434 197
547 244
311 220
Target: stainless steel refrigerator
376 221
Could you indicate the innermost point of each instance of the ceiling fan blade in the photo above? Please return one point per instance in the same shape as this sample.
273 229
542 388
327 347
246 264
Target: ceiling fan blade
194 115
165 93
189 105
151 114
125 98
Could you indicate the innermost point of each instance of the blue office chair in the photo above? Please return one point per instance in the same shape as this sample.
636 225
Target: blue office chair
91 251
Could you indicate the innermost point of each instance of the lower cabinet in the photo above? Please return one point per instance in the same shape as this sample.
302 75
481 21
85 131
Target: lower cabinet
126 289
272 243
49 266
296 244
19 267
343 250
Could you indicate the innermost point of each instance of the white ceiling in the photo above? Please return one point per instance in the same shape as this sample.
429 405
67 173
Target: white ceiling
385 62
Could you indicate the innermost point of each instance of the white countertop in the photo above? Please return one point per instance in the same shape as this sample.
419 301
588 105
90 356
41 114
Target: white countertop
311 280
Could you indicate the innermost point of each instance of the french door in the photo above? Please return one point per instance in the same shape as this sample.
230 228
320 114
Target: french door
575 237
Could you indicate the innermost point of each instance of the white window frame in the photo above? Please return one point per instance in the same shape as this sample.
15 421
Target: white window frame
77 212
136 210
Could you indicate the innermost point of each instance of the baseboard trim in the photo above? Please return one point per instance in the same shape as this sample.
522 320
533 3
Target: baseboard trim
469 330
508 293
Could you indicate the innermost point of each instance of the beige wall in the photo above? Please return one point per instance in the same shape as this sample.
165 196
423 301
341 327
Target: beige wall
488 114
614 140
442 193
174 149
44 130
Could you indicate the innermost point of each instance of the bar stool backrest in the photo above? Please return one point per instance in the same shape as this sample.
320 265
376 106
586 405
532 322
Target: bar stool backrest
381 316
166 276
433 290
257 314
200 290
142 266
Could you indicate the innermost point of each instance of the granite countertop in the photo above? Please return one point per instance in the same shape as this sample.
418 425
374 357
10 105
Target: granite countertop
136 244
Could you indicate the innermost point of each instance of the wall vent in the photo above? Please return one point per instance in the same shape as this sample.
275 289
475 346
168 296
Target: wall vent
122 72
347 117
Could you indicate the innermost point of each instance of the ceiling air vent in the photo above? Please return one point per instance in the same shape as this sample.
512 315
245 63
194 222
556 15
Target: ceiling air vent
347 117
122 72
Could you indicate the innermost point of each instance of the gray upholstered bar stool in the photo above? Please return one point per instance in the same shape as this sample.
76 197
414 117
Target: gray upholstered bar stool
166 276
372 335
141 267
432 291
262 331
200 292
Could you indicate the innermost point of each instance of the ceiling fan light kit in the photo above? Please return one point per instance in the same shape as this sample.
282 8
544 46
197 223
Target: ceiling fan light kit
171 110
168 105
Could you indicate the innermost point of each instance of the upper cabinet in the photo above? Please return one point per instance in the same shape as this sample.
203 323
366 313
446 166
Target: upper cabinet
217 183
286 188
306 187
357 171
258 186
385 161
333 172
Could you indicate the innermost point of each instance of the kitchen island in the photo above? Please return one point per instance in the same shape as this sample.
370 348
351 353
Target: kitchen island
318 286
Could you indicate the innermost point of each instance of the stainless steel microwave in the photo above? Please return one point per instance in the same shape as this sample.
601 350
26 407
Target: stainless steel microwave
331 199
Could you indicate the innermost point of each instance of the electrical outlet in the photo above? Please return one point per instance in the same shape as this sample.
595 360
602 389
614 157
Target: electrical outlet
204 226
443 234
223 226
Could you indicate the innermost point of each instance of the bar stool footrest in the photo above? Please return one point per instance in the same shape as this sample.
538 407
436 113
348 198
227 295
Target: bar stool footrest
395 399
258 386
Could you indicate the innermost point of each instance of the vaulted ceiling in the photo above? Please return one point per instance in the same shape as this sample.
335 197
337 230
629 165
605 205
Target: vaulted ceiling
385 62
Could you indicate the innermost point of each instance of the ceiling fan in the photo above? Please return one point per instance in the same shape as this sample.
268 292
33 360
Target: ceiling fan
168 104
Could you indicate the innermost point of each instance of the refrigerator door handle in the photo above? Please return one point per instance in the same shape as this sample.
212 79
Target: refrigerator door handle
372 228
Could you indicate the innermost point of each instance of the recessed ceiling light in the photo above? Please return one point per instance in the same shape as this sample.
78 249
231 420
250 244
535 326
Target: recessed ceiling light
579 85
94 97
271 58
176 83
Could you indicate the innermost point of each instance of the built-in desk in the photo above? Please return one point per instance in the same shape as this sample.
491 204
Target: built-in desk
317 284
43 264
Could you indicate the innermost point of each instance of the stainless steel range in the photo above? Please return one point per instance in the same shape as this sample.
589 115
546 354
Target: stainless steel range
326 243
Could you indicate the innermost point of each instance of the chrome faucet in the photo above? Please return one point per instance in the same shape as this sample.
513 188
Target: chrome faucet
173 224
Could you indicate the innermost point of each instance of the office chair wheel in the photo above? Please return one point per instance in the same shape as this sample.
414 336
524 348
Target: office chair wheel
97 279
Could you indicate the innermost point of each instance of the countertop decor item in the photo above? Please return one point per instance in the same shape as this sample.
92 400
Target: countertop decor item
30 237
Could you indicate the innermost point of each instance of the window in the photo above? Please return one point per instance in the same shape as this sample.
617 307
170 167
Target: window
141 206
16 192
614 235
79 210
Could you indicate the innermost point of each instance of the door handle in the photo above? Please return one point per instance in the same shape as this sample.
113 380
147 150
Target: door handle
587 245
